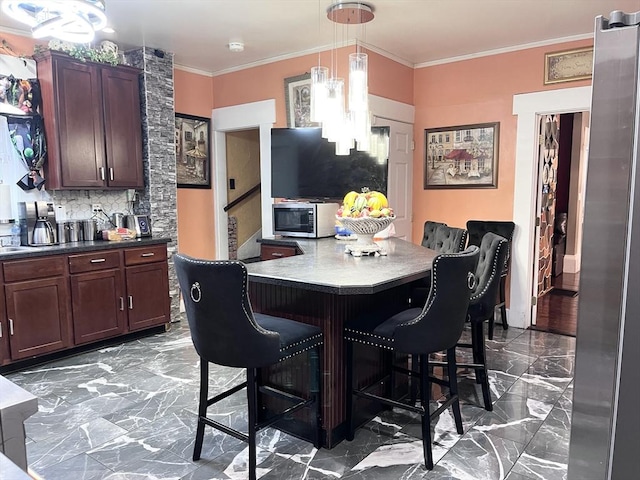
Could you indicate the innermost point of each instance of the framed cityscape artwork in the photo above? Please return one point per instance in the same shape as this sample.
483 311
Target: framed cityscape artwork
193 156
465 156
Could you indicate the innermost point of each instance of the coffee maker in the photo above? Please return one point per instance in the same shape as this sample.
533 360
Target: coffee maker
37 223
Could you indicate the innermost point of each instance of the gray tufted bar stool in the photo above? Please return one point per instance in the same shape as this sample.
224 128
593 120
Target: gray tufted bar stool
477 230
225 331
418 332
493 252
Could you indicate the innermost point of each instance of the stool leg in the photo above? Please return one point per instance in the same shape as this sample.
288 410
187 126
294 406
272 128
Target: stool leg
453 388
202 408
477 338
348 349
503 302
492 320
252 401
426 416
413 381
314 390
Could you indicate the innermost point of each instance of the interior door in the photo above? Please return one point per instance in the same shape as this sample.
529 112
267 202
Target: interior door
400 182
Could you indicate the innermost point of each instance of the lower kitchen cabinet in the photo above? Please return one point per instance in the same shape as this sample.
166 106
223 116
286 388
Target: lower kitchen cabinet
53 303
37 307
147 279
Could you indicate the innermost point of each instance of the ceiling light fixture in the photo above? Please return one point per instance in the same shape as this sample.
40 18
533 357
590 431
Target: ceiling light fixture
344 127
68 20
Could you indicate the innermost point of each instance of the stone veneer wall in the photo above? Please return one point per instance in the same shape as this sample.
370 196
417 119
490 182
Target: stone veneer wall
159 199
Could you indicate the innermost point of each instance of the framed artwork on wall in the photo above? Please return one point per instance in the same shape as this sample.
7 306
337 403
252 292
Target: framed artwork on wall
297 97
465 156
568 66
193 153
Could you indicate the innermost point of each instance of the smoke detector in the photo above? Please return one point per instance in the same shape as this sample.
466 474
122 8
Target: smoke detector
236 46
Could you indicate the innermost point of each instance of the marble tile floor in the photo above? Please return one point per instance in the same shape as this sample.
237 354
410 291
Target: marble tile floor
129 412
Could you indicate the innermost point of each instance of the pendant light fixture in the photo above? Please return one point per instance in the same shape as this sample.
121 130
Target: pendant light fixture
73 21
347 128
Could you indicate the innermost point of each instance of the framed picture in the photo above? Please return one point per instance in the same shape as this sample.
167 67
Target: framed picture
462 157
193 155
568 66
297 97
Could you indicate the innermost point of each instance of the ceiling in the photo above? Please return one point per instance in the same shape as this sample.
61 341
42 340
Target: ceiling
415 32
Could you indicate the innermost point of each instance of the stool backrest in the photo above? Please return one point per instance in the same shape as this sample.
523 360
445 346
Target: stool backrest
449 239
493 253
429 237
223 329
440 323
477 229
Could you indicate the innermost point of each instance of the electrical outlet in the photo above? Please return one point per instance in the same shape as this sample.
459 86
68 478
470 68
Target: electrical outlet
96 207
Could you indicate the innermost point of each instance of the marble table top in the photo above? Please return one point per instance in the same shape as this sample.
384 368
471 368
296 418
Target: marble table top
324 266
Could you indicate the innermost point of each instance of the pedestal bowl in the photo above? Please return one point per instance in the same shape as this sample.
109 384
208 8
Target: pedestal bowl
365 228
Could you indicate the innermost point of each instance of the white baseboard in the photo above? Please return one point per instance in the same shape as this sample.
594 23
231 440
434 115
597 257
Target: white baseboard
571 264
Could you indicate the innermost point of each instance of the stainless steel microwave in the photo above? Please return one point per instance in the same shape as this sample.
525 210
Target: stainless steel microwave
309 220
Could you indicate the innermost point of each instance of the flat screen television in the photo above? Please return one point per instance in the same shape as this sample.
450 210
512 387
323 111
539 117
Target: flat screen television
304 166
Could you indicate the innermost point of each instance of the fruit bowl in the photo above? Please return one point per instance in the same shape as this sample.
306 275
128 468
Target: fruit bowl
365 228
366 225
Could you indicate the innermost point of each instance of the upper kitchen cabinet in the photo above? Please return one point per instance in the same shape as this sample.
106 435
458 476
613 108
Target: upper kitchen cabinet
92 123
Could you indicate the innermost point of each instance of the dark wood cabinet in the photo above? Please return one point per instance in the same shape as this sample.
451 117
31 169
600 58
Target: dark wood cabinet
98 299
147 280
271 252
37 307
92 123
56 302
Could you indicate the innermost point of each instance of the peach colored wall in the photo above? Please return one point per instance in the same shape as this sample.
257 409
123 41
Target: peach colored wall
387 79
193 95
20 45
475 91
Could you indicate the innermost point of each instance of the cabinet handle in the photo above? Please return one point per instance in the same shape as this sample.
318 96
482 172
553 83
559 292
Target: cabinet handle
111 173
10 327
98 260
101 173
121 304
276 254
0 330
150 254
130 302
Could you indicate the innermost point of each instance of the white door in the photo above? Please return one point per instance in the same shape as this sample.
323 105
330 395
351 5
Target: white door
400 174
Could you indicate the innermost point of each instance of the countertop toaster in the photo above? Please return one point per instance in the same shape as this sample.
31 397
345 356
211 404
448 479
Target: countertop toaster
139 223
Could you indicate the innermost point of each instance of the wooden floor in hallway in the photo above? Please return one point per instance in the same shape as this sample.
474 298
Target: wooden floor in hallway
558 309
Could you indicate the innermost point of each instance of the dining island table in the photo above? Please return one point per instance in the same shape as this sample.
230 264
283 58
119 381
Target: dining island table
326 287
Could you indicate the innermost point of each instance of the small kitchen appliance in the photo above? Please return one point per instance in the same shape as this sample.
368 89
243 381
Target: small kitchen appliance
140 224
37 223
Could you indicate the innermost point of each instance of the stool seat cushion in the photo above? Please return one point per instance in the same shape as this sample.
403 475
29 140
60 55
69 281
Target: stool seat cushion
295 337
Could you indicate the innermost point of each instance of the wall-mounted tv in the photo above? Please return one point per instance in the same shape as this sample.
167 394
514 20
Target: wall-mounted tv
305 166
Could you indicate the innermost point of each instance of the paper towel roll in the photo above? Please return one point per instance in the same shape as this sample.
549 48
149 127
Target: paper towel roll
5 202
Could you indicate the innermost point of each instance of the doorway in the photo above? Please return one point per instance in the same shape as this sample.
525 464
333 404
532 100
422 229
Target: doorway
528 108
560 209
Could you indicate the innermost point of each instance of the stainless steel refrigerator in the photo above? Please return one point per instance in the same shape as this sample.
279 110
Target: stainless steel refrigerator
605 432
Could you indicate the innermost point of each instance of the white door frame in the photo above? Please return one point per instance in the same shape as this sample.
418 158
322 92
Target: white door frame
528 107
262 115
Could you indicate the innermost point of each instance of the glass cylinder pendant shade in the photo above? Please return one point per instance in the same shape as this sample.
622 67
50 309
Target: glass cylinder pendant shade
319 79
333 120
358 91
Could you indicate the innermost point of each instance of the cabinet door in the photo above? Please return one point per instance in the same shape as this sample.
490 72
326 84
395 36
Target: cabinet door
98 305
270 252
80 125
148 295
38 316
4 331
123 128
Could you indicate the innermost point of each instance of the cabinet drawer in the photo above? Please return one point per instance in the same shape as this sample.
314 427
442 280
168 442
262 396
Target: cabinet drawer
152 253
270 252
21 270
89 262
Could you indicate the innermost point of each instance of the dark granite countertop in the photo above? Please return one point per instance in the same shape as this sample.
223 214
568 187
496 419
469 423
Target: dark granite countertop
324 266
76 247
